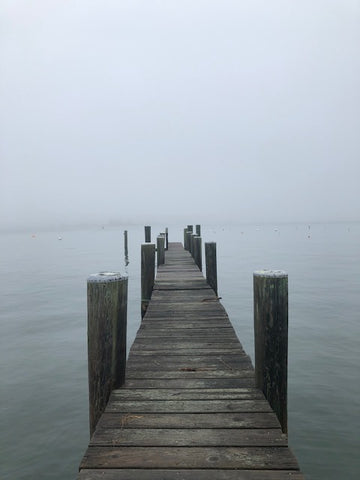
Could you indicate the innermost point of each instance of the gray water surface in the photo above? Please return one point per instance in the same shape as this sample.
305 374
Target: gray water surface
43 358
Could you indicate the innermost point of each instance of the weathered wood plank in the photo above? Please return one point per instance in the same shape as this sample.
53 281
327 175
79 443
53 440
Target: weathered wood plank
190 457
191 345
219 350
159 365
157 474
189 373
187 394
185 322
187 406
156 331
191 383
172 362
190 437
188 420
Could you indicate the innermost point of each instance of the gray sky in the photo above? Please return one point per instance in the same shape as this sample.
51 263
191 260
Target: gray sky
194 109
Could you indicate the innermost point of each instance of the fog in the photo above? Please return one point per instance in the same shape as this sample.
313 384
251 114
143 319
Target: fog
192 111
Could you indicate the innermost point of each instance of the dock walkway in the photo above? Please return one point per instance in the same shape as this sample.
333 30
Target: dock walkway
189 409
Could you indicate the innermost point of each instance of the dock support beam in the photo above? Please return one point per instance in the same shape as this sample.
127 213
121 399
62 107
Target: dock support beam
211 267
147 274
107 321
271 339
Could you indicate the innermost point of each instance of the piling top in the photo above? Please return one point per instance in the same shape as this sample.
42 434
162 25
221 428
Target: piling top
270 273
105 277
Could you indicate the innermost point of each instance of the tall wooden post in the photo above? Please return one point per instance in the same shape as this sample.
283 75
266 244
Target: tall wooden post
107 318
185 239
147 274
198 252
211 266
126 250
188 239
147 234
166 238
271 339
198 230
160 247
191 244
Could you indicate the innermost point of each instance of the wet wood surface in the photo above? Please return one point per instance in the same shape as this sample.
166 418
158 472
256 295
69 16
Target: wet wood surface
189 408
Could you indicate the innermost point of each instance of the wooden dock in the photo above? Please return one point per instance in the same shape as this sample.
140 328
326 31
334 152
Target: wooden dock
189 408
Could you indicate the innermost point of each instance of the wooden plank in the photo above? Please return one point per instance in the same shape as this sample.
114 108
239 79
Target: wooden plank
189 373
172 362
150 331
184 322
190 457
191 344
187 394
190 437
188 420
219 350
221 335
187 406
159 365
157 474
191 383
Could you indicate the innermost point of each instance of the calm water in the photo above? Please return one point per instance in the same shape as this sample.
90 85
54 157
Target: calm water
43 363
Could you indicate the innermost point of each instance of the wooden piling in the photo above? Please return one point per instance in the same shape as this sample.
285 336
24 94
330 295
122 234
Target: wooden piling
147 274
271 339
160 248
198 251
126 250
191 243
107 319
147 234
166 238
211 265
185 239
